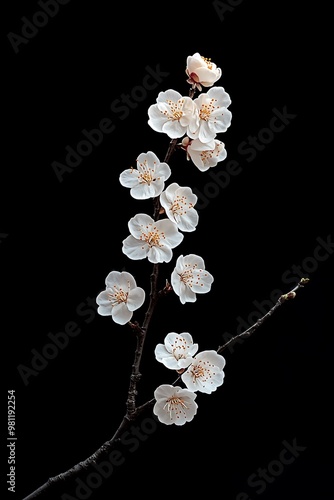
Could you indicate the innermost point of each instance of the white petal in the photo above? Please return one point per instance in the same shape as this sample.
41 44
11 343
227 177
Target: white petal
169 95
203 283
186 295
102 299
172 236
105 310
135 224
176 282
221 95
174 129
156 118
161 352
179 266
136 298
206 134
163 170
171 363
194 260
129 178
134 248
164 391
121 314
120 279
159 254
213 357
189 221
142 192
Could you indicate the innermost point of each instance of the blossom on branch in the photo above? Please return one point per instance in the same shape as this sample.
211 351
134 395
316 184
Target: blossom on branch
201 71
190 277
174 405
213 116
205 373
172 114
148 180
121 297
178 203
177 351
204 155
152 239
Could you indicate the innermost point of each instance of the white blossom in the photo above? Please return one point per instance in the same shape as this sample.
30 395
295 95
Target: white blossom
174 405
120 298
148 179
205 373
177 351
172 114
204 155
213 116
190 277
178 203
201 71
152 239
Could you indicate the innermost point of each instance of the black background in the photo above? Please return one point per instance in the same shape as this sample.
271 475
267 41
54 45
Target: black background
63 238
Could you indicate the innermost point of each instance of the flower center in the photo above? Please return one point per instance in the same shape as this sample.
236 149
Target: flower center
176 112
146 177
206 156
152 237
206 110
147 174
187 277
117 296
179 353
197 371
208 62
190 275
173 403
178 205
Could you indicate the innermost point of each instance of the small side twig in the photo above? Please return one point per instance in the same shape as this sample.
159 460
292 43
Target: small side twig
283 298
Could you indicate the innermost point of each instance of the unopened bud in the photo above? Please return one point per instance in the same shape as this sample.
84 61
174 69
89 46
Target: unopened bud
185 142
288 296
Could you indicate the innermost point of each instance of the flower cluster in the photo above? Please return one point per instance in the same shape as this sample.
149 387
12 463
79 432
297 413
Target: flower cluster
201 372
196 122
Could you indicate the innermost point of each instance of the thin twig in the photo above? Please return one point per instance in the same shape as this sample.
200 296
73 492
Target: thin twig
283 298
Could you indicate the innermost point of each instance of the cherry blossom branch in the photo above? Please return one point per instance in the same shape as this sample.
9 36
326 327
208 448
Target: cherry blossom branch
133 412
117 294
141 331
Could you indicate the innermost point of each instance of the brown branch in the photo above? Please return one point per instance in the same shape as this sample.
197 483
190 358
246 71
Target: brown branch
283 298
